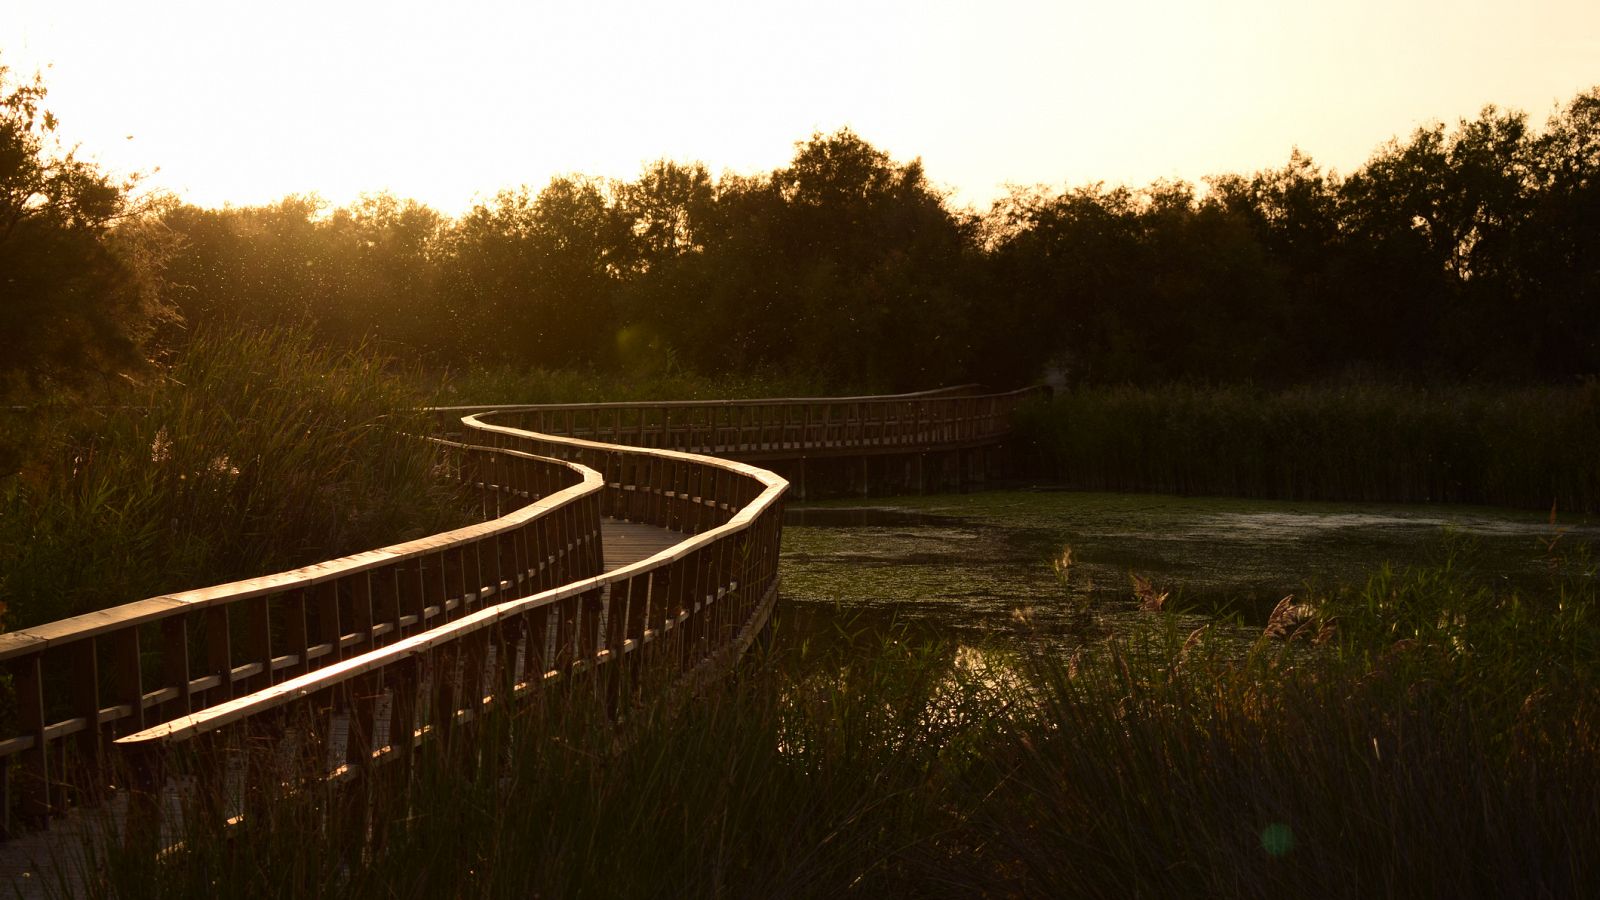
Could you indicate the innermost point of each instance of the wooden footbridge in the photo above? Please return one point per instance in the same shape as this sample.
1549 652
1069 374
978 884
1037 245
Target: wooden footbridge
619 542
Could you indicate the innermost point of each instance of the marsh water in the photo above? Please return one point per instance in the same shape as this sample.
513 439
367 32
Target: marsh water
986 566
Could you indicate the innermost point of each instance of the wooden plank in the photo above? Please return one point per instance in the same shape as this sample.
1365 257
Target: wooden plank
625 543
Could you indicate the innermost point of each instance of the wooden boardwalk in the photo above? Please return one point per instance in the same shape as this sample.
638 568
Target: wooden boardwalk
607 529
25 859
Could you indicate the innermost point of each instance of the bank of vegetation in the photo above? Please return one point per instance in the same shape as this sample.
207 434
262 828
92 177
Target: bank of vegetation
1531 446
1418 735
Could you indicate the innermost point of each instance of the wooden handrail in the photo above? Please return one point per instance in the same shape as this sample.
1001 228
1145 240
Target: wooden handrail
678 610
223 715
27 640
467 409
784 428
252 633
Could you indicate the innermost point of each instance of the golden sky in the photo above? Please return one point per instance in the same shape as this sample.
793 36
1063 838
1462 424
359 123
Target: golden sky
245 102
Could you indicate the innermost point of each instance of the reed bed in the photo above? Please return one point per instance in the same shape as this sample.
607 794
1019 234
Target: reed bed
1441 740
1528 447
250 452
1420 735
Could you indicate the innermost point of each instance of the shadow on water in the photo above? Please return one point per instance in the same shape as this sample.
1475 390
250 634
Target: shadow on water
981 567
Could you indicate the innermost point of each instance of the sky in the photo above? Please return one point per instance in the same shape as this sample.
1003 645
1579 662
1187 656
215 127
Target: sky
246 102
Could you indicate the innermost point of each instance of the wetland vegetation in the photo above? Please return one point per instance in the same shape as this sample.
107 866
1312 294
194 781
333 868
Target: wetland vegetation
1357 440
1429 730
986 567
953 703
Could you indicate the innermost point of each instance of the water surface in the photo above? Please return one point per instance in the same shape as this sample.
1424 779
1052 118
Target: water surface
980 566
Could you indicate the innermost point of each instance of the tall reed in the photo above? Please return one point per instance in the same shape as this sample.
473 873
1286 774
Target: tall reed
1441 742
1529 447
253 451
805 776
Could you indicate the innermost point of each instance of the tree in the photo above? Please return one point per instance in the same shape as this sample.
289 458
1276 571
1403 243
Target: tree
71 304
385 273
535 276
1559 249
1429 227
874 266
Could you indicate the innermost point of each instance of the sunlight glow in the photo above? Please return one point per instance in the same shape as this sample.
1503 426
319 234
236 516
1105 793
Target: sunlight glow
246 103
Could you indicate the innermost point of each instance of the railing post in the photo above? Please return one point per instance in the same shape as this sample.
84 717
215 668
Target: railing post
403 678
292 605
325 599
175 662
592 603
146 774
219 650
538 655
84 679
33 794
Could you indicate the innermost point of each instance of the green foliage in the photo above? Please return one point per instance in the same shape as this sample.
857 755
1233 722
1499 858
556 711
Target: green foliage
251 453
1466 252
73 301
845 248
1528 447
1438 743
1434 736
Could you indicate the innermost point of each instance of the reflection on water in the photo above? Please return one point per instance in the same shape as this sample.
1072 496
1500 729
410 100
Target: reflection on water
978 566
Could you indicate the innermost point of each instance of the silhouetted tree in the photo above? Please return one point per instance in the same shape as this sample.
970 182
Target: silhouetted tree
1559 249
71 303
535 277
1465 251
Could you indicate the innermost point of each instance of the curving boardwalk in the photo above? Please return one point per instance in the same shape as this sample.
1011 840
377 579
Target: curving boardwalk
614 545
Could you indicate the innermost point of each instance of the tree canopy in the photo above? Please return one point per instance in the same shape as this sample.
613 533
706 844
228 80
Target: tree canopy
1466 251
74 298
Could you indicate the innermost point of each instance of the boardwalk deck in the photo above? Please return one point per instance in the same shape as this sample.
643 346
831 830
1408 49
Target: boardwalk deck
628 542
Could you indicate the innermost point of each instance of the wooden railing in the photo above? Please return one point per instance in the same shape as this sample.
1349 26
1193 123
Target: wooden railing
81 682
782 427
687 608
400 646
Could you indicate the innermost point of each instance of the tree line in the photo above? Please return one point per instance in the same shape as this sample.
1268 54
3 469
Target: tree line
1469 251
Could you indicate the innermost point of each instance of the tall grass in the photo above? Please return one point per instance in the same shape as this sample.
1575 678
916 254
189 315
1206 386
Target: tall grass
1527 447
1421 736
1443 743
250 453
801 777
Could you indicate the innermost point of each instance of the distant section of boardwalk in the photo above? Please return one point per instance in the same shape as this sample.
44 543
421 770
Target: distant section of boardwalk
625 543
947 439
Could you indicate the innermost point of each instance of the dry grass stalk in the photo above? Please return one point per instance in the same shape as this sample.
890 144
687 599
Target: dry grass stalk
1290 619
1150 599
